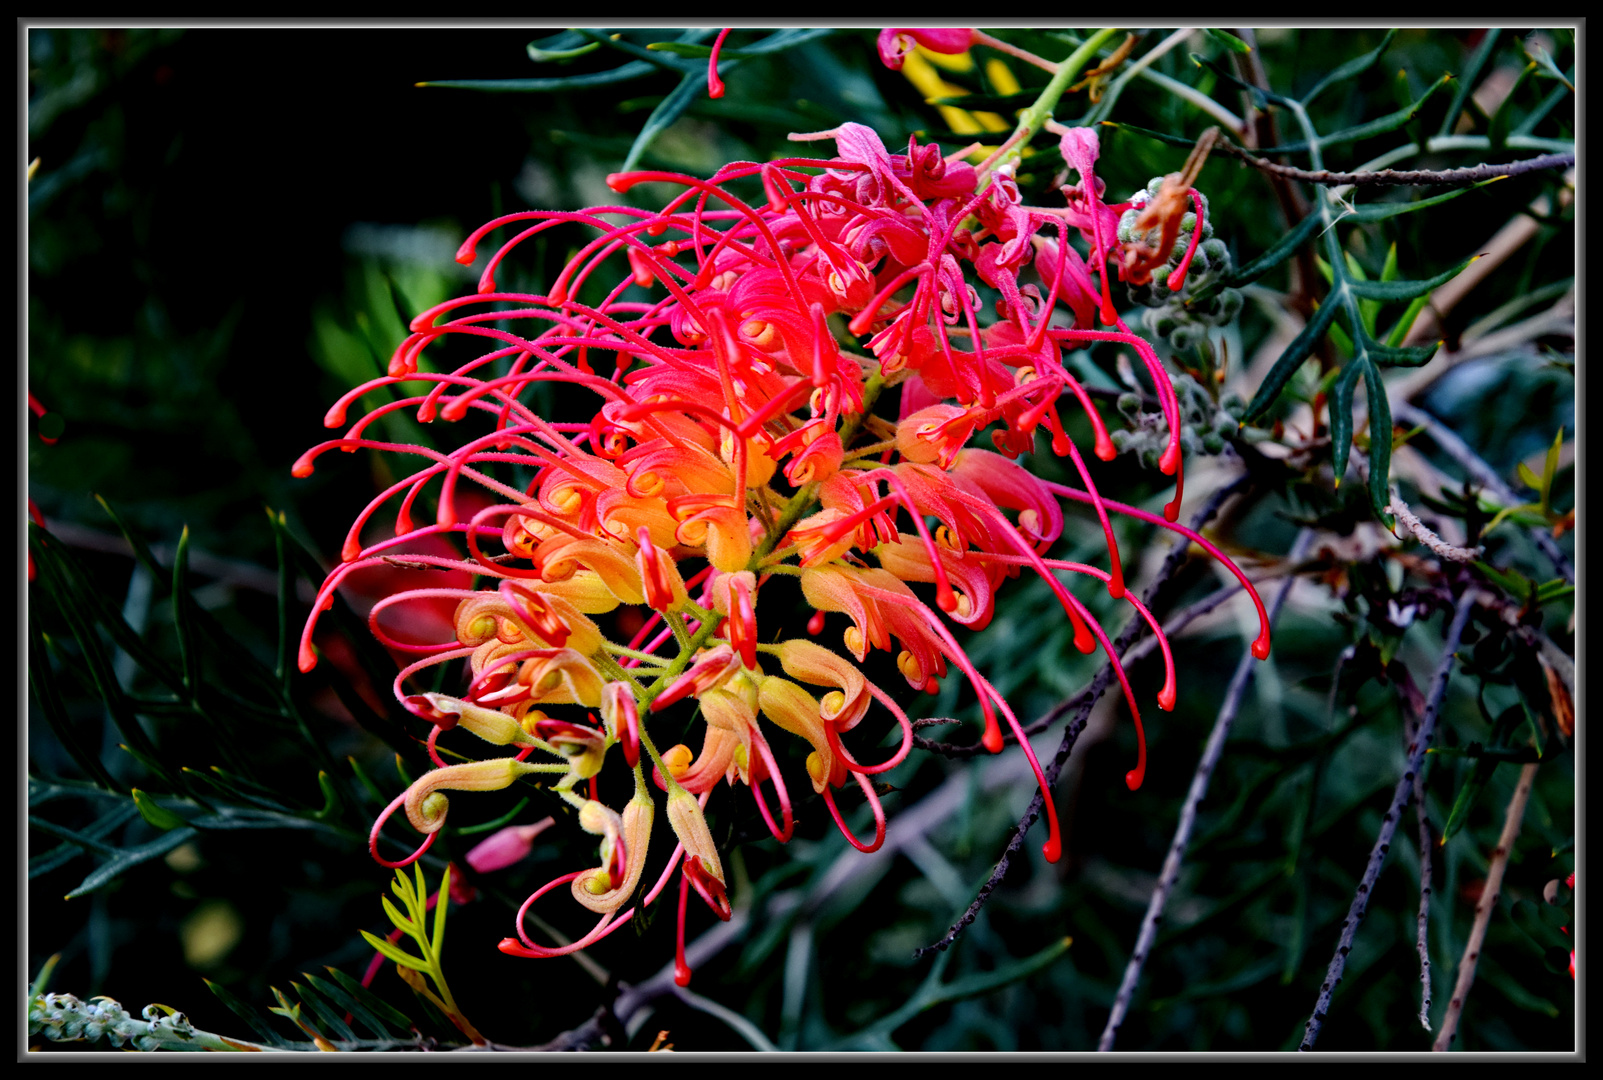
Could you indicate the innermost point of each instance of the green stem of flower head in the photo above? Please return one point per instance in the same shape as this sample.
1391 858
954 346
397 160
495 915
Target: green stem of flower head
656 759
675 668
610 668
676 623
1032 119
634 654
802 501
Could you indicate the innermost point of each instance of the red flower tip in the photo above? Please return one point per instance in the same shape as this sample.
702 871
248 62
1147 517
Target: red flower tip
622 182
992 739
466 253
1133 778
307 659
815 625
1260 648
303 465
1166 696
715 85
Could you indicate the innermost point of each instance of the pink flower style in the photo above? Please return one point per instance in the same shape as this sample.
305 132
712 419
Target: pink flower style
733 440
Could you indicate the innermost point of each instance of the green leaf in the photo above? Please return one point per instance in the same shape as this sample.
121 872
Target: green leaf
655 57
559 47
1406 290
662 117
693 52
1510 582
1283 249
332 1020
1406 323
395 952
1372 212
252 1017
1379 442
1350 70
1557 589
1528 477
1301 347
51 572
42 678
1548 68
1549 470
331 797
1503 118
1228 40
1379 126
443 902
157 815
189 658
1466 82
1260 96
633 70
1548 104
375 1005
343 999
142 551
402 922
367 784
1156 136
1341 418
128 858
1389 356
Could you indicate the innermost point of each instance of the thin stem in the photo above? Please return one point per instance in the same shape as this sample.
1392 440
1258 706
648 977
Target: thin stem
1032 119
1188 812
1488 901
1425 848
1472 174
1400 797
1071 735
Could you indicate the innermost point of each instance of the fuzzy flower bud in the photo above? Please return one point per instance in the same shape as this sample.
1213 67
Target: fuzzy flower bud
426 807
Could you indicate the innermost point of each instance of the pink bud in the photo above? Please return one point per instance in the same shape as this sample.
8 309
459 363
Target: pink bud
506 846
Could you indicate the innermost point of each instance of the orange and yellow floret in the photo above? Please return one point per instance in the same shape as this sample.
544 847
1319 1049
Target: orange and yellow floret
735 364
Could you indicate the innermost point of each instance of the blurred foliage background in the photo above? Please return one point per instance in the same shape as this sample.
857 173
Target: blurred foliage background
229 228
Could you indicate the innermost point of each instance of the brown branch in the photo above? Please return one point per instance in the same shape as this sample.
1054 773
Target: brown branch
1400 796
1488 901
1087 699
1188 812
1472 174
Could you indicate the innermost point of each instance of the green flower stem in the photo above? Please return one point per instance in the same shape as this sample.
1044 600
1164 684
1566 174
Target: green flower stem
634 654
656 759
1032 119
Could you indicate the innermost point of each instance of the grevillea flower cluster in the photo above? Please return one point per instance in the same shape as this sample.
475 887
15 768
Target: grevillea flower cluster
744 357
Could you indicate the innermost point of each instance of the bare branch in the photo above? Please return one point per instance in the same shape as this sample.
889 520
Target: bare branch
1087 700
1400 796
1488 901
1441 548
1473 174
1188 812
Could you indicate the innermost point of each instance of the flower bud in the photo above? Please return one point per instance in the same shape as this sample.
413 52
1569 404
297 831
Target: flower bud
609 886
690 825
491 725
506 846
425 807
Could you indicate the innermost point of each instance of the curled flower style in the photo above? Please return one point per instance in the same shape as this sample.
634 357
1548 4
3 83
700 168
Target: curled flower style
737 351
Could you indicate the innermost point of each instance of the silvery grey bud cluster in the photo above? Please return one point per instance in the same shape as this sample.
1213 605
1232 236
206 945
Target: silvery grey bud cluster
1176 316
67 1018
1204 426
